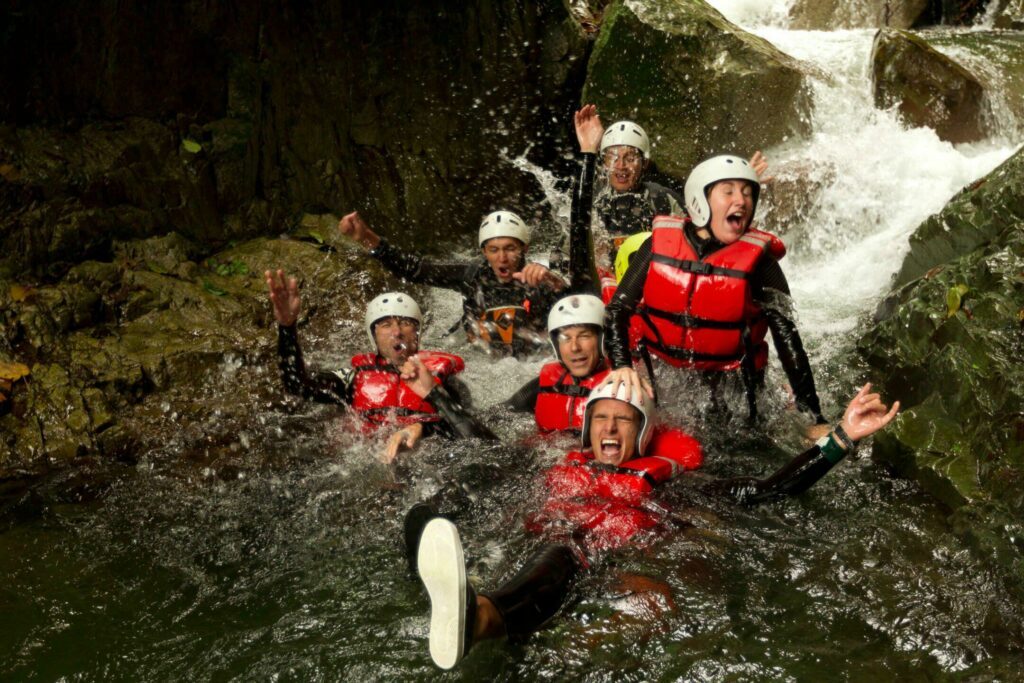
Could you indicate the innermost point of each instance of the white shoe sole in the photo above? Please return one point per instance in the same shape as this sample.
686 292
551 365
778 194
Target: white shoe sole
443 572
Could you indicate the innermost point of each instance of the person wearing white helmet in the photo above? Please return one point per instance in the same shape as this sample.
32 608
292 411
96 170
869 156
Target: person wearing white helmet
628 201
708 288
371 386
599 498
505 297
558 395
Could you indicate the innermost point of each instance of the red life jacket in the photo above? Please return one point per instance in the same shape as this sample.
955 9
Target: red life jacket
608 284
561 398
611 503
379 395
700 313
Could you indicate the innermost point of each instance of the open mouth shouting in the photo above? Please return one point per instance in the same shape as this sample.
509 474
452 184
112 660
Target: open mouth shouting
611 449
737 220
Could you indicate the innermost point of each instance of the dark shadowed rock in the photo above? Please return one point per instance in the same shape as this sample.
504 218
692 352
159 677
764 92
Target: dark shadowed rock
229 121
698 84
927 88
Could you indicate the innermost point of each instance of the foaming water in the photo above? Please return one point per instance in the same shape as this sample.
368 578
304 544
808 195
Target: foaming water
875 180
268 547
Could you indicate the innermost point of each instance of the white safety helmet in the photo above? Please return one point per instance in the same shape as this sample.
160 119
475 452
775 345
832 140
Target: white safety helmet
503 224
577 309
646 410
626 133
707 173
391 304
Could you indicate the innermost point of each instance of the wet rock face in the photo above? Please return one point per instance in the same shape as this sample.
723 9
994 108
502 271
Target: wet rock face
228 121
699 85
1010 15
827 15
111 337
948 344
928 88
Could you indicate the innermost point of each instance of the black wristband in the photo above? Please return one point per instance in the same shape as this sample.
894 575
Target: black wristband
848 443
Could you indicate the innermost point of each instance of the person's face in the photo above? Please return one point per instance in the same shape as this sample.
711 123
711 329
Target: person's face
624 165
614 426
578 349
504 255
732 208
397 339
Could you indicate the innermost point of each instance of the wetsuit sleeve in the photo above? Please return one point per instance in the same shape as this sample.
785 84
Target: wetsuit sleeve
623 306
525 400
792 479
322 387
415 268
458 390
462 424
582 266
772 291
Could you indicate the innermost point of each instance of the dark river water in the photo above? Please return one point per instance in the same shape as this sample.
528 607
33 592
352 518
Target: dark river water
283 561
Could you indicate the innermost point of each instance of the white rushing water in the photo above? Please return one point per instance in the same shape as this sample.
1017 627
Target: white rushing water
880 178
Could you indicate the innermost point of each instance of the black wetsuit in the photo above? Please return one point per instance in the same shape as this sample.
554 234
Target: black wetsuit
539 589
621 213
337 387
766 282
479 287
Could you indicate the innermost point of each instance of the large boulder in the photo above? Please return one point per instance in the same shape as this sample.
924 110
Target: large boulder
947 343
1009 14
996 60
227 122
928 88
698 84
828 15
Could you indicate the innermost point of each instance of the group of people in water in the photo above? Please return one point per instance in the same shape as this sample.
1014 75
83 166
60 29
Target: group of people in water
684 283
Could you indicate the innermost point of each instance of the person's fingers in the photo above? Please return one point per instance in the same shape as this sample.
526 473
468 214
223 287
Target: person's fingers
891 414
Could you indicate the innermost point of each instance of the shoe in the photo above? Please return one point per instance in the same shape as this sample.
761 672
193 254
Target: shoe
442 569
415 520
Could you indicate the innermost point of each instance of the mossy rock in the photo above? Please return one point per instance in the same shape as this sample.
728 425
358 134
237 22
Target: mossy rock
927 88
996 60
698 84
947 343
158 322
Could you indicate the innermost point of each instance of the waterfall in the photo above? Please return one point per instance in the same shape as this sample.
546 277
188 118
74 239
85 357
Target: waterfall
879 179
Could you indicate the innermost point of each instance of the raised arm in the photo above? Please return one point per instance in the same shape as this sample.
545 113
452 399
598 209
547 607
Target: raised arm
322 387
411 267
865 415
